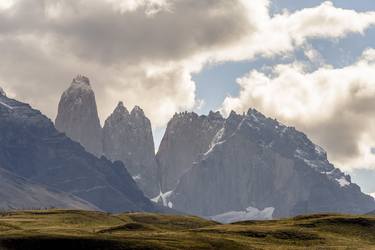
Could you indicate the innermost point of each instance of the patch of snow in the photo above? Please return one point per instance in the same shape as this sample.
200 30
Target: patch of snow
343 182
319 165
217 137
163 199
212 147
90 189
137 177
6 105
372 194
250 213
170 204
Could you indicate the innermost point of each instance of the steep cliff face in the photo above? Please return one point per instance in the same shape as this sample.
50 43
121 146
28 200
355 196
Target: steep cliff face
78 117
254 162
32 148
187 137
127 137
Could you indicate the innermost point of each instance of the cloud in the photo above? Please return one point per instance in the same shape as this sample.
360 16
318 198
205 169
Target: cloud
144 51
128 54
333 106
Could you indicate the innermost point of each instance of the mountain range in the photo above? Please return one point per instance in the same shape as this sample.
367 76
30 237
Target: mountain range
33 149
126 136
254 162
245 166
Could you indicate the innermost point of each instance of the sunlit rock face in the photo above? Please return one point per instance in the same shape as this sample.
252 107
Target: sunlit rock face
187 136
254 161
32 148
78 117
127 137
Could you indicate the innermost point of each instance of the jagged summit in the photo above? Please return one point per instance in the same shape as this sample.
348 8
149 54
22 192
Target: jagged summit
128 138
215 115
78 116
79 87
121 109
187 136
81 81
137 111
193 116
286 141
249 160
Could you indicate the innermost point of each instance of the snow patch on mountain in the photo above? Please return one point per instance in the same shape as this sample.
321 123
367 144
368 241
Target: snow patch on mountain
137 177
343 182
6 105
163 198
250 213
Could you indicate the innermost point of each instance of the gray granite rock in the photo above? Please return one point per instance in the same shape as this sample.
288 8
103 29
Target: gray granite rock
187 136
127 137
254 161
78 117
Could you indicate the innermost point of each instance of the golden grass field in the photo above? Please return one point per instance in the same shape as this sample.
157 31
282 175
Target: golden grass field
70 230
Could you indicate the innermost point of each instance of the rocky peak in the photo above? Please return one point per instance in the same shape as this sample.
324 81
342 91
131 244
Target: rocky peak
121 109
78 116
257 161
233 116
215 115
137 113
187 137
137 110
80 84
81 80
128 138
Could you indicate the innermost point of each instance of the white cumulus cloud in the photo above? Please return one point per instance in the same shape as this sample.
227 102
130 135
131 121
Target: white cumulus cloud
144 51
335 106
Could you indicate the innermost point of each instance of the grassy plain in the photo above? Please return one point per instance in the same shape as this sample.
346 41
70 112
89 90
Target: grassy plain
71 230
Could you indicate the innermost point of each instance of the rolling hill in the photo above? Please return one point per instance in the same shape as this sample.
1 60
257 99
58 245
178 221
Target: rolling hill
73 229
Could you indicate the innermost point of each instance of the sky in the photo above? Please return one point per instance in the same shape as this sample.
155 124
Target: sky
308 63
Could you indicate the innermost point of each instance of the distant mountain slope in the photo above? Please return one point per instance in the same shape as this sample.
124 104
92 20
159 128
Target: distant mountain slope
32 148
19 193
254 162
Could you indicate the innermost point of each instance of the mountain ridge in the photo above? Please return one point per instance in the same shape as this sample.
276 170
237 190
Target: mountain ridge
31 147
252 150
